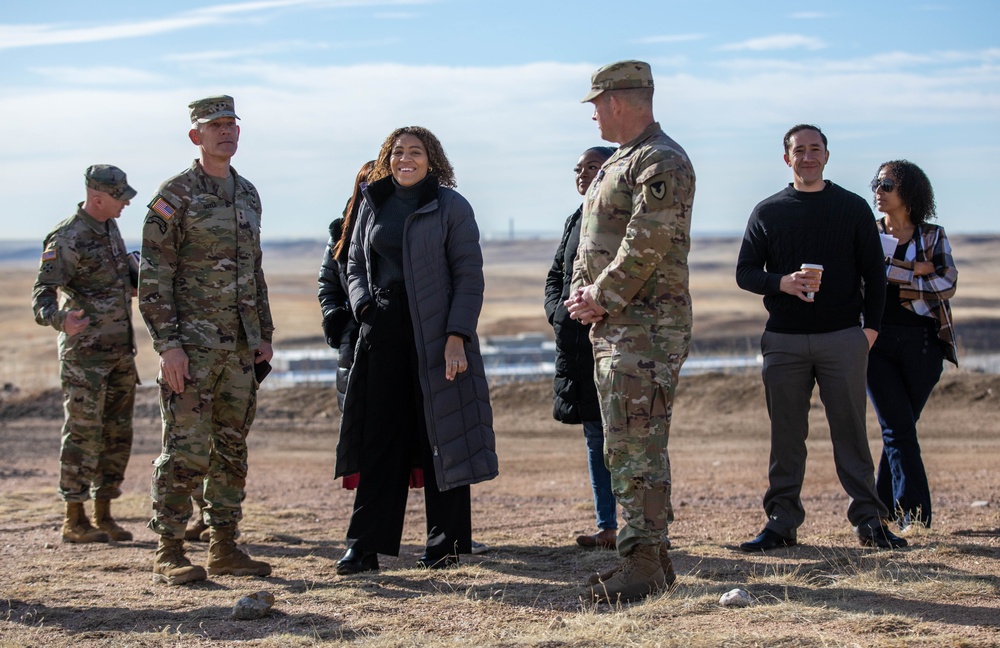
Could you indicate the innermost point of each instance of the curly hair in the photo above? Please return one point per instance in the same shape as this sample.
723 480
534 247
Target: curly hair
914 189
351 210
438 164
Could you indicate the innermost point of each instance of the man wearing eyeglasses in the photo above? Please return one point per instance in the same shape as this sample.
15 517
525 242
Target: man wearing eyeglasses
819 330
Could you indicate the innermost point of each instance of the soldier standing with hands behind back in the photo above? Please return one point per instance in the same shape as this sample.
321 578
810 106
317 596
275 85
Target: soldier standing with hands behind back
204 299
630 279
83 290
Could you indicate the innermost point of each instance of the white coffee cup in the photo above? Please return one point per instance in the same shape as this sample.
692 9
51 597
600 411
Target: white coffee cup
815 269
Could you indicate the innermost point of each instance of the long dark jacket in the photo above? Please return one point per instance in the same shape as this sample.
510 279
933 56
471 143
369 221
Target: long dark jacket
443 273
574 393
339 327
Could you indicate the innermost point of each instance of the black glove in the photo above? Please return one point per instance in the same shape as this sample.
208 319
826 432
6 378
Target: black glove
331 331
133 268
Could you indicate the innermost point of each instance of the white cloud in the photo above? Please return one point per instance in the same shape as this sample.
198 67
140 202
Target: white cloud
512 132
777 42
15 36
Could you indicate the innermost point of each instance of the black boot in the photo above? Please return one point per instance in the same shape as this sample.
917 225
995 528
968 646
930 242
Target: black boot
355 562
440 562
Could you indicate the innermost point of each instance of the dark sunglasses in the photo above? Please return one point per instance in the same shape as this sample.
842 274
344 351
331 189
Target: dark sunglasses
885 184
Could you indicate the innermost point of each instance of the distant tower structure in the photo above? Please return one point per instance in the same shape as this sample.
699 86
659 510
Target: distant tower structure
511 229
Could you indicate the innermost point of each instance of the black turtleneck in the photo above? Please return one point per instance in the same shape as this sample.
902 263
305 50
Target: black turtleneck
387 234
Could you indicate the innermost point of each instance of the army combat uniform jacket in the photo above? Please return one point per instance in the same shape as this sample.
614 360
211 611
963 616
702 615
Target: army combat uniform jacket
200 278
634 245
84 266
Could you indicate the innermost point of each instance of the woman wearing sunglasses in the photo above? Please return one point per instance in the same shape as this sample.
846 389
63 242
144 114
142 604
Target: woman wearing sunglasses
917 334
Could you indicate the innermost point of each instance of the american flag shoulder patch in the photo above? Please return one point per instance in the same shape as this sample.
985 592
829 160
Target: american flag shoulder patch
163 208
49 255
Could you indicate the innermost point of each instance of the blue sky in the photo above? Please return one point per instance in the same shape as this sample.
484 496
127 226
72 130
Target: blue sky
319 84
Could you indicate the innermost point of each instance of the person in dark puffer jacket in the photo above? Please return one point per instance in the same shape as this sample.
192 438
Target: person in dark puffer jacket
417 394
339 327
574 397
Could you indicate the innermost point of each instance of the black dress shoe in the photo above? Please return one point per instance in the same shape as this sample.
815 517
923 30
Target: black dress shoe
355 562
767 540
443 562
877 535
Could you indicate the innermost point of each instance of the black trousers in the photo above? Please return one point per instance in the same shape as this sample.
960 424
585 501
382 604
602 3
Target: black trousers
395 440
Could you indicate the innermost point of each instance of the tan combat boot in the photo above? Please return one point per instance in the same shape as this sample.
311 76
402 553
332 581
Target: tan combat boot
640 575
171 566
225 558
197 530
668 569
77 528
106 523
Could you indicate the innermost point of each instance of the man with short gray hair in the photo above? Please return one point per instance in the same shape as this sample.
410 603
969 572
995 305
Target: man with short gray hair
630 280
203 297
84 291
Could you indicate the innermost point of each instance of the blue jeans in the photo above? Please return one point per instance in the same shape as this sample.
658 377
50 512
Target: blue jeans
903 367
600 478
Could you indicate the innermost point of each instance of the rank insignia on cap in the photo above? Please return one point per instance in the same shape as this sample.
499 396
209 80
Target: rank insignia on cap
49 255
163 208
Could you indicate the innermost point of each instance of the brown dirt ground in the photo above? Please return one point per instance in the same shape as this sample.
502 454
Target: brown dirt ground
943 591
527 590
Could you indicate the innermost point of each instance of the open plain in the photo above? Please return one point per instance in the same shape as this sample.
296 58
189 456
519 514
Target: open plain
943 590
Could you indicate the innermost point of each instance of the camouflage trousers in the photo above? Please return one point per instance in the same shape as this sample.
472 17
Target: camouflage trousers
637 413
204 440
98 400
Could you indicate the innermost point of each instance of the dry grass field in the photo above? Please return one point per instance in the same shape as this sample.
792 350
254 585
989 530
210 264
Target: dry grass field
944 590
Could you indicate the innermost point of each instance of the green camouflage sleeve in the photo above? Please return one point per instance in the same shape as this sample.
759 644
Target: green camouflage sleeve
263 305
56 269
659 216
157 268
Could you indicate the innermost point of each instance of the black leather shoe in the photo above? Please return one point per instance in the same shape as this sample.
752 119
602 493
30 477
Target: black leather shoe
767 540
355 562
877 535
444 562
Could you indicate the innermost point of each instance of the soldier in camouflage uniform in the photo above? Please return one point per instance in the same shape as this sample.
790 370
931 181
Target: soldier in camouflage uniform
630 280
83 291
203 297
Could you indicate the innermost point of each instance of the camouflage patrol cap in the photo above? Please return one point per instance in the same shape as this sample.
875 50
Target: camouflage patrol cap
619 76
211 108
109 179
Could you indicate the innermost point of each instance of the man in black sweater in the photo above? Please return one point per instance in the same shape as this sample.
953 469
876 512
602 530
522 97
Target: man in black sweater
819 330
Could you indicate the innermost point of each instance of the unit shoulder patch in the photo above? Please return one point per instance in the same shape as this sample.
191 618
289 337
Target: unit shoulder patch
659 191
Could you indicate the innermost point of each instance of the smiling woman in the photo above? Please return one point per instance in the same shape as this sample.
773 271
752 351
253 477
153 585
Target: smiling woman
417 393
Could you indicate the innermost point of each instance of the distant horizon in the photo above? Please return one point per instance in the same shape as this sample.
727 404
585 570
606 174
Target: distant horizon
134 243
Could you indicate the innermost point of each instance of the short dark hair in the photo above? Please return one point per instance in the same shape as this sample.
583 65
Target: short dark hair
801 127
603 151
914 189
